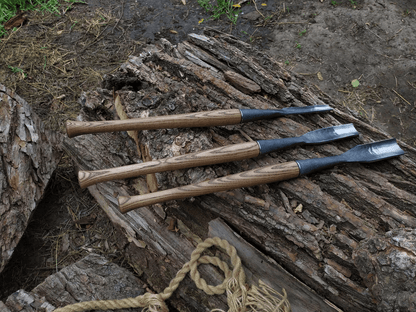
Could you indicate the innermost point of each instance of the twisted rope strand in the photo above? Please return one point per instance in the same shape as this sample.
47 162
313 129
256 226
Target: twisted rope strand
234 285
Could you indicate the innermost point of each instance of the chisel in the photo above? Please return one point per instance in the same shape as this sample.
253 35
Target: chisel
365 153
223 154
191 120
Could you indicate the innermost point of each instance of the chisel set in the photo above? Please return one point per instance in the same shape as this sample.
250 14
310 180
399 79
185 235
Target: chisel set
362 153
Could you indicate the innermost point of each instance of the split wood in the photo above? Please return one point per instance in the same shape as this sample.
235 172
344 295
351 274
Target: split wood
239 297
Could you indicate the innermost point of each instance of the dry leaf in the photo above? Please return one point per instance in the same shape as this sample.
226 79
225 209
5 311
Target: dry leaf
298 208
15 21
320 76
172 225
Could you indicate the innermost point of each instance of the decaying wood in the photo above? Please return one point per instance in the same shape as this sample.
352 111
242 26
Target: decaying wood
91 278
28 157
258 266
23 301
317 227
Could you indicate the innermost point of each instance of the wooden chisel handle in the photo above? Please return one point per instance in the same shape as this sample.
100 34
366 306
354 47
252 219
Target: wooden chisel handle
199 119
218 155
262 175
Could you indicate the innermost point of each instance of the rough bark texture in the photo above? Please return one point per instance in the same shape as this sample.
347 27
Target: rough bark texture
28 157
323 243
92 278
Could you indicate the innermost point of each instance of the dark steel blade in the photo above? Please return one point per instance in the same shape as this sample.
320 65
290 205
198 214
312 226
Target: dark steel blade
365 153
371 152
314 137
259 114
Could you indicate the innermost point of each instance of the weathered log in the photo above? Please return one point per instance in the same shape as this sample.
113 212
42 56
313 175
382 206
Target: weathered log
91 278
28 158
312 226
23 301
258 266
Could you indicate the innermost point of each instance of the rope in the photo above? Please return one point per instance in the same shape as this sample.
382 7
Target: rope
263 299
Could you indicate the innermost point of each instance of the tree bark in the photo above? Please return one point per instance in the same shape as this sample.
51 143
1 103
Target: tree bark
28 158
92 278
323 243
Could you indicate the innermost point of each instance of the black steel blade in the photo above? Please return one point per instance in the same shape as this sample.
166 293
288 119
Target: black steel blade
365 153
259 114
314 137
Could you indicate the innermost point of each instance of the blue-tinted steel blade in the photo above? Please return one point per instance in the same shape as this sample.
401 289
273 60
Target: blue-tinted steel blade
365 153
314 137
259 114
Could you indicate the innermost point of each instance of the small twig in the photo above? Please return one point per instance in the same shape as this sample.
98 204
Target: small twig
94 41
286 203
411 85
283 23
255 4
121 16
401 97
11 35
156 15
373 33
246 136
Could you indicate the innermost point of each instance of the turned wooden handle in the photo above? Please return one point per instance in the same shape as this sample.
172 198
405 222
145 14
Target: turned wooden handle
223 154
200 119
263 175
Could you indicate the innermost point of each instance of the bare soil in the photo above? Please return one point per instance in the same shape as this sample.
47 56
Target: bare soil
330 42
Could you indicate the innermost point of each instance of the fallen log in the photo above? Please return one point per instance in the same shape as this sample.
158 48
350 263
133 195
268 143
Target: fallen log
317 227
29 154
91 278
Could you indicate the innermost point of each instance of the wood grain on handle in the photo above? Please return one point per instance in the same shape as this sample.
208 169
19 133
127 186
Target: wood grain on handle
262 175
218 155
199 119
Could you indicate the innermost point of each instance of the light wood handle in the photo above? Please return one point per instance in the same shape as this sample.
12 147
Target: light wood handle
263 175
223 154
199 119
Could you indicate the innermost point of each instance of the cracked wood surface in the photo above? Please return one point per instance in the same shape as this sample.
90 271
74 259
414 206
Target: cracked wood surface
28 158
315 227
91 278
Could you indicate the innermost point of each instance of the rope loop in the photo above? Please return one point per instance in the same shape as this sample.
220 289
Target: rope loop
239 298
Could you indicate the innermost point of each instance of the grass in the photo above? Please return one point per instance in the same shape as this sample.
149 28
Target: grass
18 70
46 64
301 33
9 8
222 7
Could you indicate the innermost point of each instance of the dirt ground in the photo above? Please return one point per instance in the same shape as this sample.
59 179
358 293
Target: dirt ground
330 42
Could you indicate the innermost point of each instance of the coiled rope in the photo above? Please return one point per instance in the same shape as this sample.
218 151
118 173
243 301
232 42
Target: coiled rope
239 298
